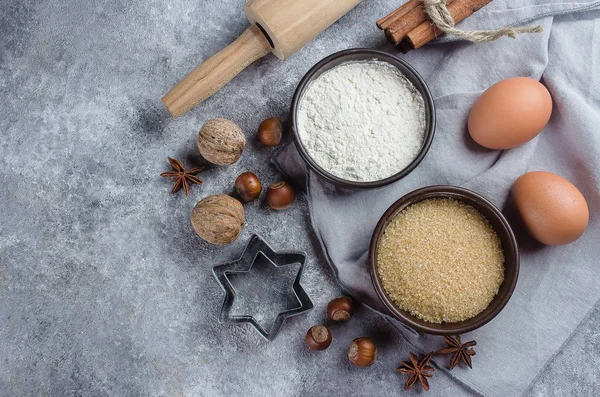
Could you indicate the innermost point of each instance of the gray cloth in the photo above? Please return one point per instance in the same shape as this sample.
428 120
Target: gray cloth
557 286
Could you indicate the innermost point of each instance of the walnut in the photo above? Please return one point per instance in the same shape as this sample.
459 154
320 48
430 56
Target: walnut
218 219
221 141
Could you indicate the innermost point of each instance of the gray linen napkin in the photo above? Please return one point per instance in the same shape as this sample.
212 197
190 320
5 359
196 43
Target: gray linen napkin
557 286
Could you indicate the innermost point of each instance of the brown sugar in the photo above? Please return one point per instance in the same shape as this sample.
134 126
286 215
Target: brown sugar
440 260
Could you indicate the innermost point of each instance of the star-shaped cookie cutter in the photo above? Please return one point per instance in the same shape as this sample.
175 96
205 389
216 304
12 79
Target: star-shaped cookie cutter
257 249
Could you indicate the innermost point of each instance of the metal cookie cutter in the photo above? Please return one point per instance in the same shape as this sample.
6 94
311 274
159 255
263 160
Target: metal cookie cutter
263 287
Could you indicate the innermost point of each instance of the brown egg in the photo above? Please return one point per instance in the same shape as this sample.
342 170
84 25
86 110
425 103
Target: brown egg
553 210
510 113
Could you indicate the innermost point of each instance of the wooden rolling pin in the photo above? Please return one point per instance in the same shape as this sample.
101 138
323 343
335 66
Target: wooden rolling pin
278 26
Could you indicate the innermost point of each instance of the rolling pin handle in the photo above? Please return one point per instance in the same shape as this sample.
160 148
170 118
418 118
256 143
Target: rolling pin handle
217 71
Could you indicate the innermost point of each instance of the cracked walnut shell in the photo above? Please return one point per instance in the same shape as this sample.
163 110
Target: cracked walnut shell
221 141
218 219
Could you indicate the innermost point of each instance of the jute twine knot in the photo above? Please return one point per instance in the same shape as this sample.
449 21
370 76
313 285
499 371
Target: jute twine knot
438 13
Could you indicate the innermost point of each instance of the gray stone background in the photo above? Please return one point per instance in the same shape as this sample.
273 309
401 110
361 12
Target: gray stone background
105 290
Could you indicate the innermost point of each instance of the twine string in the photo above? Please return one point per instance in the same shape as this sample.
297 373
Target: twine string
439 14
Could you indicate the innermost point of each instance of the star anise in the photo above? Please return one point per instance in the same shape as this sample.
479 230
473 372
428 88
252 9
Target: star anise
459 351
418 370
181 177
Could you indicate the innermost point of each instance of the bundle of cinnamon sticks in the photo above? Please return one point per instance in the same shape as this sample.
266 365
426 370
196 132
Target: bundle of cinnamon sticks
409 27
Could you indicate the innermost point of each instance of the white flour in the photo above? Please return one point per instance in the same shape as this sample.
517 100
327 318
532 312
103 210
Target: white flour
362 121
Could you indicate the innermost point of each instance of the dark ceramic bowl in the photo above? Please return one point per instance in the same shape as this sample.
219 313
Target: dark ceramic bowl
509 245
363 54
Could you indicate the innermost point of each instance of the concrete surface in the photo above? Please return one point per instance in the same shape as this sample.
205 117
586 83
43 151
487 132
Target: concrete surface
105 290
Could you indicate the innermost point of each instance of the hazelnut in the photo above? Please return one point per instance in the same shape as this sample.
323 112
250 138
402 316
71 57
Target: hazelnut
221 141
218 219
280 196
340 309
269 132
362 352
248 186
318 337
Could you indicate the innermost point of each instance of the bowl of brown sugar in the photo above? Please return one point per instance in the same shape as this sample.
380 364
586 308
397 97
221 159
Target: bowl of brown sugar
444 260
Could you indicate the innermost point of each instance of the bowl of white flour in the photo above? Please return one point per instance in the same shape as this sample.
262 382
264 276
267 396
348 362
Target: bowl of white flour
362 118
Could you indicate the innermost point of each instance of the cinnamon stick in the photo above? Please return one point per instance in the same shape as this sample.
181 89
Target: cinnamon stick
427 31
397 30
386 21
